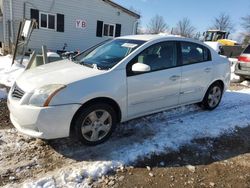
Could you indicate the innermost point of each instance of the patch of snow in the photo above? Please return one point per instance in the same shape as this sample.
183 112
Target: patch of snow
191 168
234 77
9 73
160 133
233 62
53 54
75 176
43 183
246 83
214 45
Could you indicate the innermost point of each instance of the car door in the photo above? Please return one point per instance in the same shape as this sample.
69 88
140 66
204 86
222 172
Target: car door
197 70
158 88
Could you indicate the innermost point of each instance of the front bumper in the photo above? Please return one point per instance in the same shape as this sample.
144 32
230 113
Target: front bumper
242 69
42 122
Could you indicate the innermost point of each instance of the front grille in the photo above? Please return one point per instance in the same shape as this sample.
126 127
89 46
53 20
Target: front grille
17 92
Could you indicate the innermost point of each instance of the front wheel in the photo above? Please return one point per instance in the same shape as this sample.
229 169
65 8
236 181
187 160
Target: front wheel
213 96
95 124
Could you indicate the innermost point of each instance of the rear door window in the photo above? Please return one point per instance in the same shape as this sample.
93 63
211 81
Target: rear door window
194 53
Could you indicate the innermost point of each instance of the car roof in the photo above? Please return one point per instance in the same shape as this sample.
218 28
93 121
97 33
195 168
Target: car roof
149 37
164 36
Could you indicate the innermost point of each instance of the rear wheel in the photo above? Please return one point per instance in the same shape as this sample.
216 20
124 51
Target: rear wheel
213 96
95 124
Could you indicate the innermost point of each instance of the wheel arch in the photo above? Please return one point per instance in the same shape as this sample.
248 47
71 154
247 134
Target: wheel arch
215 81
105 100
222 84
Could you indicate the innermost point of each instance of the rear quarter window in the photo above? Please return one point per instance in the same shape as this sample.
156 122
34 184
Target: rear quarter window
247 50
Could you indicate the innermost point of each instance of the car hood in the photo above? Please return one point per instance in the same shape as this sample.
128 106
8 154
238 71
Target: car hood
61 72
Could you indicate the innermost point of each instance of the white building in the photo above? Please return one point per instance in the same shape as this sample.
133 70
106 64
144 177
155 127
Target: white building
78 23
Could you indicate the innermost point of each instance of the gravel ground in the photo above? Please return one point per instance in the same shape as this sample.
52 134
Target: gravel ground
220 162
4 115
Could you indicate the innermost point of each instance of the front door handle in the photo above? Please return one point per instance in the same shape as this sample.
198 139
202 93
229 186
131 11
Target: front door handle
207 70
174 77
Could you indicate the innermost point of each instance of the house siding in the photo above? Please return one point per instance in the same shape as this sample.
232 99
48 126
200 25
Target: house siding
88 10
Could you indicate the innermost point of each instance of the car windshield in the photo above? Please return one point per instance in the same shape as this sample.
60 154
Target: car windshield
209 36
214 36
107 54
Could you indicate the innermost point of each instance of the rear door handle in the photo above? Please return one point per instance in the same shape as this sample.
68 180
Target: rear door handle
174 77
207 70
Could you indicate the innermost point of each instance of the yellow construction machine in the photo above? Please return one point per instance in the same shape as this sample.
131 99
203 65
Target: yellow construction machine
220 42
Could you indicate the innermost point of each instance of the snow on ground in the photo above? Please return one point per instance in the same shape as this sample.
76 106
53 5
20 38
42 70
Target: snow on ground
160 133
8 72
233 61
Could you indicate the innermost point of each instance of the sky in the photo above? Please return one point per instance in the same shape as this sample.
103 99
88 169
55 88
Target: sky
200 12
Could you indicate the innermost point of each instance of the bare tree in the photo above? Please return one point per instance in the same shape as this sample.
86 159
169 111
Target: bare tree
184 28
223 22
157 25
197 36
140 29
246 40
246 23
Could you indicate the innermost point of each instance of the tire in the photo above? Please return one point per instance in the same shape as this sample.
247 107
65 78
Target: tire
213 96
94 124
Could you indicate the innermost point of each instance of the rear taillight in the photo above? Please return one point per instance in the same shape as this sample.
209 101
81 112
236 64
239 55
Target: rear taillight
244 59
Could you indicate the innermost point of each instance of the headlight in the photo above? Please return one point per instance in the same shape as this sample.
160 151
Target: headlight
42 96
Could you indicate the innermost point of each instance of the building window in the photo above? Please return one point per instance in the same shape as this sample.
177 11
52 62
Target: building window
52 21
47 21
109 30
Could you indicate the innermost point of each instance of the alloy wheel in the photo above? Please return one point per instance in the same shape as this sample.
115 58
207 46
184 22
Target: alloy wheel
214 96
96 125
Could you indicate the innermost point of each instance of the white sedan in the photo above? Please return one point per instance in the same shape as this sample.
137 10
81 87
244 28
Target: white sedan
114 82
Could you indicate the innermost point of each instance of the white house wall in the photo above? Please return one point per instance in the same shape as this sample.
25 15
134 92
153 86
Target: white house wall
17 17
88 10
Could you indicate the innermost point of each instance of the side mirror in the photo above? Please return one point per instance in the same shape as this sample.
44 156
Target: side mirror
140 68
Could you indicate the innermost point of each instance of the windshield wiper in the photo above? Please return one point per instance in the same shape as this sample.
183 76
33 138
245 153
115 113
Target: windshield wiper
93 66
85 64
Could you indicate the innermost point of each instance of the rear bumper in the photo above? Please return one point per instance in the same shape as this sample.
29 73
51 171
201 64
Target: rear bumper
242 69
46 123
